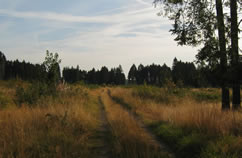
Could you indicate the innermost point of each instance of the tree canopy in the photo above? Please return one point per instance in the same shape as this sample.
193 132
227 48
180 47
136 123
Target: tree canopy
196 22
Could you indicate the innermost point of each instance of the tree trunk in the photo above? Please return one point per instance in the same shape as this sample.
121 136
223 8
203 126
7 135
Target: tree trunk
223 56
235 54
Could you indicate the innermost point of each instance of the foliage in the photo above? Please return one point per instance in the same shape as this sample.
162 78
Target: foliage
151 74
185 73
196 22
132 76
25 71
31 94
115 76
52 68
73 75
2 65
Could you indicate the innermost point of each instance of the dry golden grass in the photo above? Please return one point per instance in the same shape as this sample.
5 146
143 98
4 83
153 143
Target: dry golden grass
67 125
130 139
57 129
185 112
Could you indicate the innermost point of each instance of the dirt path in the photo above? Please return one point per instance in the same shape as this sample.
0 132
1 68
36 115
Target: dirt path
158 147
140 122
102 147
105 149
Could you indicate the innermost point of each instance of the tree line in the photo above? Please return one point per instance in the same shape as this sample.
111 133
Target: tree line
26 71
115 76
182 74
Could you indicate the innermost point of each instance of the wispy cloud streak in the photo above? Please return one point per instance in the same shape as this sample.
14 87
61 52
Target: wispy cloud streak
126 35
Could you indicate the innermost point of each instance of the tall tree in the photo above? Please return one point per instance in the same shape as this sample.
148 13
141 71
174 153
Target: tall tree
235 53
52 68
196 22
223 57
104 75
132 74
2 65
120 76
141 74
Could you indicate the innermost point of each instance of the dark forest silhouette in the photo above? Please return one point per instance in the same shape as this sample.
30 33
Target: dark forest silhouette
183 74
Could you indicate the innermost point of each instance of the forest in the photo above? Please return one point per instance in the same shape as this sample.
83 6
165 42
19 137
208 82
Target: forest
183 74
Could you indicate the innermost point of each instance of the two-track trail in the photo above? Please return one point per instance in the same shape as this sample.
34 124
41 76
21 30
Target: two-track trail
128 136
101 139
141 123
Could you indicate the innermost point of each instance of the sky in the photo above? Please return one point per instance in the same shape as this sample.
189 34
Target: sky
89 33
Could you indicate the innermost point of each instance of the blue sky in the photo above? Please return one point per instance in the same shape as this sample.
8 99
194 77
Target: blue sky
88 33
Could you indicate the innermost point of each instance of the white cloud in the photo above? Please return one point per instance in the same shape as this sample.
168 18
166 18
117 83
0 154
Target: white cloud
54 16
103 46
144 2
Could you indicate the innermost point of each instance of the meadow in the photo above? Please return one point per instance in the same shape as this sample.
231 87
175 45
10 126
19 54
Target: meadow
89 121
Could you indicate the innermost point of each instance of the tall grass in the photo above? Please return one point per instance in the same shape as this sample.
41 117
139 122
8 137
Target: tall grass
60 128
206 117
191 128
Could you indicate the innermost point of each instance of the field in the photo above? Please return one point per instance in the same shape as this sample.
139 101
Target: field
117 122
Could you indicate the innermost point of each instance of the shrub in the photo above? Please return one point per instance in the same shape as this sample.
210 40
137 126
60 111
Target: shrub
32 93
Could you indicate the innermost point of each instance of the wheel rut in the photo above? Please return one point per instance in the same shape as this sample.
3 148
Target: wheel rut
102 147
141 123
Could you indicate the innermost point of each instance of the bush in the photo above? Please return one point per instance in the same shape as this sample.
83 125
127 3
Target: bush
32 93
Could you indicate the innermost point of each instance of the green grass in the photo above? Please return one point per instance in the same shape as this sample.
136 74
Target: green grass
188 143
165 95
206 96
151 92
225 147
